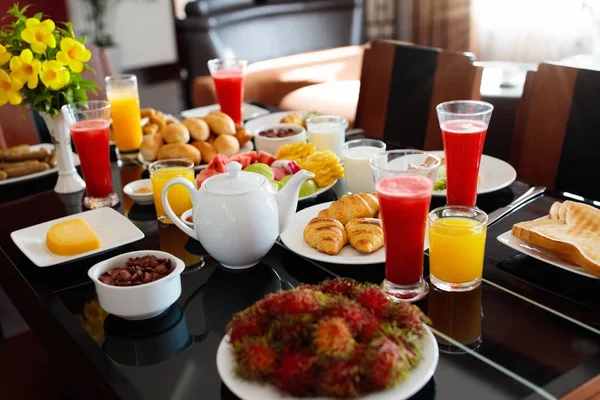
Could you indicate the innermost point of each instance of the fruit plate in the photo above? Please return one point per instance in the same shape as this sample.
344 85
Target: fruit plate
318 192
247 390
495 175
248 146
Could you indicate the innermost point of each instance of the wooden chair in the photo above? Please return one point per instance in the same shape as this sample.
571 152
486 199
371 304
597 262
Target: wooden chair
401 84
556 139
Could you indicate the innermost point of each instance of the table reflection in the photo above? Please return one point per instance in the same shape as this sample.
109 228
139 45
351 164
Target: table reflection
173 240
128 174
457 315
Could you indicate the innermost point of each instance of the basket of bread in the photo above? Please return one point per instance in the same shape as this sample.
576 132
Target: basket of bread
197 139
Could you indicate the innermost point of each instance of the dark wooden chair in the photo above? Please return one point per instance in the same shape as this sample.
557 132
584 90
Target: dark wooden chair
401 84
556 138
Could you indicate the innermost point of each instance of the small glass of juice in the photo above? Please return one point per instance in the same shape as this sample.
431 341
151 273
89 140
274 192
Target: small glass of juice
404 184
162 172
456 247
327 132
122 92
228 77
357 172
89 125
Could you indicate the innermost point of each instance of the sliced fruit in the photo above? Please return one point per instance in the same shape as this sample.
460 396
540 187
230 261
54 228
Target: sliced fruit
279 173
260 168
308 187
265 158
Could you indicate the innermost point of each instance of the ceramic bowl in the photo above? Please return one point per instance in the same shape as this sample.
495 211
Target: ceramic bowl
270 145
139 198
142 301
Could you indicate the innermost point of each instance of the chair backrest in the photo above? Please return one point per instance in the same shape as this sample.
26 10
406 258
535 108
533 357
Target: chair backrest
401 84
556 137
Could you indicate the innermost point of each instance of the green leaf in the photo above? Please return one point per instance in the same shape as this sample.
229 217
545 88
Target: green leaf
38 16
69 96
42 97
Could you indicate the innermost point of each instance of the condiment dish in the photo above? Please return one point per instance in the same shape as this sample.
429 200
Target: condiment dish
140 198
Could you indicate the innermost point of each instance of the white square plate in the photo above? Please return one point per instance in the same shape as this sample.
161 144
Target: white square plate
248 111
514 242
112 228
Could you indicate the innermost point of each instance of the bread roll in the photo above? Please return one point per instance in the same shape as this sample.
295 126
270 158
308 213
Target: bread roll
179 150
207 150
220 123
198 128
241 134
150 129
227 145
150 146
176 133
212 138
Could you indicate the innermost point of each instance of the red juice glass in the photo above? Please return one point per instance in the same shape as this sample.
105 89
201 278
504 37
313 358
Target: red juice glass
464 124
228 77
404 183
89 125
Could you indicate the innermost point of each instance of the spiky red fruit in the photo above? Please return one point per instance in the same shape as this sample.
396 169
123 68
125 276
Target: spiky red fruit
338 286
384 366
406 316
256 360
246 326
297 373
373 299
340 379
291 331
333 338
408 342
292 302
360 321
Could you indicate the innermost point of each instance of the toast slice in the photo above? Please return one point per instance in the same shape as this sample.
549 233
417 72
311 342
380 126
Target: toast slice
572 232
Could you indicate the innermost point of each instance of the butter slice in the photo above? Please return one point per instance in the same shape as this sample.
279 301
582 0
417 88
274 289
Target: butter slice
71 237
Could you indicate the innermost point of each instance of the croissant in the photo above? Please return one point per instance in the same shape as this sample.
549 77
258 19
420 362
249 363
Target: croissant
349 207
365 234
326 235
371 199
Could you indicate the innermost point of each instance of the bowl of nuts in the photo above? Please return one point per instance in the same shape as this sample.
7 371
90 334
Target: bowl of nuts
138 285
271 138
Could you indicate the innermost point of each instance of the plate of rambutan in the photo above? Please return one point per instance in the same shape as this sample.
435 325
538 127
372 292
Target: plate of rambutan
338 339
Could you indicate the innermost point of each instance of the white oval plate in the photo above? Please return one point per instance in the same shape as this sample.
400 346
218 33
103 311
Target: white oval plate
257 124
246 390
495 175
248 111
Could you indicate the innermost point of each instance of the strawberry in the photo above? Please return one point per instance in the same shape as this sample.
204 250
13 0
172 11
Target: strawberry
333 338
383 364
340 378
341 286
373 299
256 360
297 373
246 326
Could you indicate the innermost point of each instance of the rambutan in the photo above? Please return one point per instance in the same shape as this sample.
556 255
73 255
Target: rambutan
297 373
333 338
384 367
338 286
340 379
246 326
256 360
408 342
361 321
296 301
407 316
291 331
373 299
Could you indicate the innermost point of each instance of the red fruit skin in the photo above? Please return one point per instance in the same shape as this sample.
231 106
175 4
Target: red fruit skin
297 373
338 286
249 326
256 361
361 322
333 338
373 299
340 379
292 302
291 331
407 316
384 371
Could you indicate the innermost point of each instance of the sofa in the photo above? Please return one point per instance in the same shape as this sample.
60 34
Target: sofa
258 30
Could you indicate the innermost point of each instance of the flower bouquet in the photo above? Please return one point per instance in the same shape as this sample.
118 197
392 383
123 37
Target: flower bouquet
41 65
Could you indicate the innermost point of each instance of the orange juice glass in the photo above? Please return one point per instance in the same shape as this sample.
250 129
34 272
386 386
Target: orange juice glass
122 92
162 172
456 247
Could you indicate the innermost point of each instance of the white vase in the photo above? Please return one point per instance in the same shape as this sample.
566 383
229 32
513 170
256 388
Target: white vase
69 180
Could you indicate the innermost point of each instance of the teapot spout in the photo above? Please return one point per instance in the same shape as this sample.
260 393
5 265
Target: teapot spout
287 198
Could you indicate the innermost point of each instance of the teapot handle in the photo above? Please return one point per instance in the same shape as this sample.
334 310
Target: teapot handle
165 200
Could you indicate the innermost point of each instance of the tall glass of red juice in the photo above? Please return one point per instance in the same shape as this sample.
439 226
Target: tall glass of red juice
404 183
228 77
89 125
464 124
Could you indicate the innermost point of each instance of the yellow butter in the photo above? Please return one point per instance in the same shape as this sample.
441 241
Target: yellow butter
71 237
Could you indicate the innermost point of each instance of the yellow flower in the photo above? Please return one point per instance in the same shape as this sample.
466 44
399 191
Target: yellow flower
39 34
4 55
73 54
54 75
9 89
26 68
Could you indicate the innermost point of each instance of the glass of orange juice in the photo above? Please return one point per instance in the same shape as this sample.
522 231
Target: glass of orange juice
122 92
456 247
162 172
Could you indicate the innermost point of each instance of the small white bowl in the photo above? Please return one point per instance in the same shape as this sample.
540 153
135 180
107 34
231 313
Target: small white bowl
138 302
140 198
186 214
270 145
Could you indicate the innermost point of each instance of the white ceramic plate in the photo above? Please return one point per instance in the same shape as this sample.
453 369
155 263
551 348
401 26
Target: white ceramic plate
267 121
248 111
293 238
495 175
140 198
112 228
38 174
546 256
246 390
248 146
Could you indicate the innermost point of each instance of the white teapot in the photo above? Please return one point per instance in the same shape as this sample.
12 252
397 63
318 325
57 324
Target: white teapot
238 215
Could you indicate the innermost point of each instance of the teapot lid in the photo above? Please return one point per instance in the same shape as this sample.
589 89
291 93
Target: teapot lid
235 181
